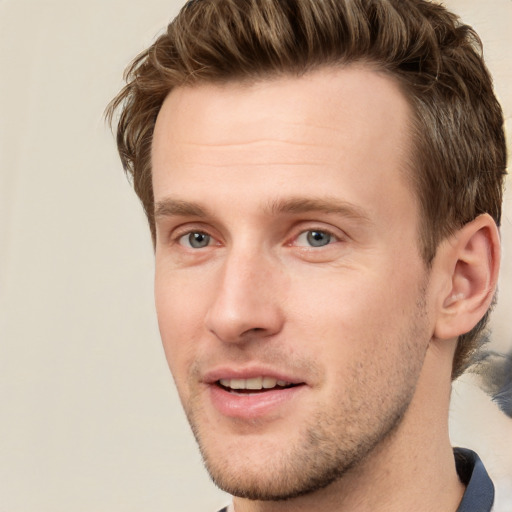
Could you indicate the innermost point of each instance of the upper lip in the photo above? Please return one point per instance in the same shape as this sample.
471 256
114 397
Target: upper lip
228 372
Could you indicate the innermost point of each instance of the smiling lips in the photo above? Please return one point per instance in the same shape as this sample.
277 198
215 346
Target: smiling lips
250 397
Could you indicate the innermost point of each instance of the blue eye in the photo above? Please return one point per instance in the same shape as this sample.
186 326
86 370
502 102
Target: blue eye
195 240
314 238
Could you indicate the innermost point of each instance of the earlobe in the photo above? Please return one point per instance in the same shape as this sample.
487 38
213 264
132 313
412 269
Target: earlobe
473 259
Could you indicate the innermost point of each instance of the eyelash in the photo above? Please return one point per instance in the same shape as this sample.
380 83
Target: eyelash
189 234
310 245
331 238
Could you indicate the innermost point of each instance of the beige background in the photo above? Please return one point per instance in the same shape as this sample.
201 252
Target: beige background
89 417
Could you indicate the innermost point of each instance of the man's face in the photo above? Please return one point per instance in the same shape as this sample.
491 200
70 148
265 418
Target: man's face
291 295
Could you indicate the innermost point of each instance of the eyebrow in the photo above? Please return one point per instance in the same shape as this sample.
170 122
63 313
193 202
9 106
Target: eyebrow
325 205
170 207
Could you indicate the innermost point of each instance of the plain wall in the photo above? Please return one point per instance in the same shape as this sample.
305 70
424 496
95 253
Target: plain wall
90 420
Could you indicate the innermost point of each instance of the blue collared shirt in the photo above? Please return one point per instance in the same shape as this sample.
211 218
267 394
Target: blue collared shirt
479 495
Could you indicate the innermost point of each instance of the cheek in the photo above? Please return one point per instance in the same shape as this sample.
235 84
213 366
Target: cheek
180 313
349 297
361 333
353 310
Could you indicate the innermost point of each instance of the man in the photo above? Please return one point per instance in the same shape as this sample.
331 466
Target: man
323 183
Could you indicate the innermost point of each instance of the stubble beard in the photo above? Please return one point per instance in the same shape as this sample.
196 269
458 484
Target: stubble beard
333 441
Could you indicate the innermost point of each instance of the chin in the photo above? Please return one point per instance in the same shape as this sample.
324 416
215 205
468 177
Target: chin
269 469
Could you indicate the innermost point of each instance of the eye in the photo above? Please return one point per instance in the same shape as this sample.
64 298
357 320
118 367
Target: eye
315 238
195 240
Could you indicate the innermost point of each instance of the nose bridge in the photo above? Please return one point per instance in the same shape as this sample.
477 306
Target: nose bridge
246 299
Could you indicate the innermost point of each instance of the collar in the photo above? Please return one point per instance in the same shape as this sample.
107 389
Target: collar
479 495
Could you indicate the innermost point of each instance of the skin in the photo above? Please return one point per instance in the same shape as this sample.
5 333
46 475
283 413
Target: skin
251 172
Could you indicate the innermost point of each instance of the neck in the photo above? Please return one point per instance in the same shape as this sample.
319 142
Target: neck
413 469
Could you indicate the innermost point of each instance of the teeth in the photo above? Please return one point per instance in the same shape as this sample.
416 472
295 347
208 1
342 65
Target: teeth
269 382
256 383
235 383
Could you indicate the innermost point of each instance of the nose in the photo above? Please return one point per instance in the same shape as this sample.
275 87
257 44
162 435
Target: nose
247 302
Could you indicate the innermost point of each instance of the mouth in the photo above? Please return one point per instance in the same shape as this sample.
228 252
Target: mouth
255 385
253 392
250 397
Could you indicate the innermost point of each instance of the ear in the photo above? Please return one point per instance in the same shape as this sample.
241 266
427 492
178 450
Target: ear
471 260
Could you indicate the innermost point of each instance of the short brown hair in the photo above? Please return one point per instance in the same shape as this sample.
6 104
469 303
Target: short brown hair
459 144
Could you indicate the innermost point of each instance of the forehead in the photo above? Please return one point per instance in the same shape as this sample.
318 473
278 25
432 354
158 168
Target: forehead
357 90
332 131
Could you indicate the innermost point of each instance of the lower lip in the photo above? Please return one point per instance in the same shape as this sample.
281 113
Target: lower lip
252 406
